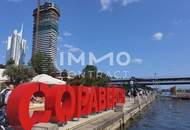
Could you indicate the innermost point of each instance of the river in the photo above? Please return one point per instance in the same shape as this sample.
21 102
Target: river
163 114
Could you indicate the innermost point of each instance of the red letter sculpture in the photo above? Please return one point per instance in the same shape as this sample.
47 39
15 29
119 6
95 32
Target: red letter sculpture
62 102
18 106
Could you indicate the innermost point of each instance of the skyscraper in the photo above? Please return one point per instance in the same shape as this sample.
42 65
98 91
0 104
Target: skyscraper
16 47
45 30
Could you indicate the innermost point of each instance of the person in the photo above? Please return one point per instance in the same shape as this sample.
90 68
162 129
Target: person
134 93
129 94
141 93
5 93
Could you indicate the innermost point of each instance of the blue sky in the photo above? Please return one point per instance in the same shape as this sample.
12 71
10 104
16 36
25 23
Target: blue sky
156 33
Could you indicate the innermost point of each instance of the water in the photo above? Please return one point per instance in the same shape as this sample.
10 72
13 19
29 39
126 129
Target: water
163 114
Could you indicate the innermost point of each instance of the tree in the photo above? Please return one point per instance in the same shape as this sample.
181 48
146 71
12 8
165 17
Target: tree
2 66
11 71
49 67
18 74
88 81
89 75
76 81
102 79
127 87
65 75
10 62
37 62
26 73
43 64
90 72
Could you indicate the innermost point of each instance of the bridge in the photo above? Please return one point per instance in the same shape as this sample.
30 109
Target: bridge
152 81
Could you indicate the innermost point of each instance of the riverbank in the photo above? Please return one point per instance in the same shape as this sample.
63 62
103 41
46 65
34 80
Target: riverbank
163 114
108 120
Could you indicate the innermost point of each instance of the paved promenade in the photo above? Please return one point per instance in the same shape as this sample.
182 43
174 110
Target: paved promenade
107 120
94 119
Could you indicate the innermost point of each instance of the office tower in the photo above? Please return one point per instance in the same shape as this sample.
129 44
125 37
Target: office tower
45 30
16 47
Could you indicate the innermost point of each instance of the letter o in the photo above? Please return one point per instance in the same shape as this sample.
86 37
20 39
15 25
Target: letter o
62 102
128 58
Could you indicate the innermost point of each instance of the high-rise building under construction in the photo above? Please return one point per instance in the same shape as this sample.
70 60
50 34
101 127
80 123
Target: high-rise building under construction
45 30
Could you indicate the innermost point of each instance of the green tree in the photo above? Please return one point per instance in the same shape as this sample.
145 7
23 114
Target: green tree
2 66
37 62
88 81
65 75
49 67
76 81
11 71
19 74
10 62
43 64
127 87
102 79
26 73
90 72
89 75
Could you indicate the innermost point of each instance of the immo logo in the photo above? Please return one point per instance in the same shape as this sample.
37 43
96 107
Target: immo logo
121 58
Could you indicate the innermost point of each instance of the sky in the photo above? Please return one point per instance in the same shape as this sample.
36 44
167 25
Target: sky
155 33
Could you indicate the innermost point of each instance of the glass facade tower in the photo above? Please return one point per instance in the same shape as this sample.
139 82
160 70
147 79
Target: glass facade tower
45 30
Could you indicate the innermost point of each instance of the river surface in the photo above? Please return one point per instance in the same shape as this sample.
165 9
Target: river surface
163 114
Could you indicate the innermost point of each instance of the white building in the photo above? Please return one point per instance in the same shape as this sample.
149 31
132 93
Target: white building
16 47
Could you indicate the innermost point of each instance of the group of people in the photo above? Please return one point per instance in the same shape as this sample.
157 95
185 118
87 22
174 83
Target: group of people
4 96
137 92
37 99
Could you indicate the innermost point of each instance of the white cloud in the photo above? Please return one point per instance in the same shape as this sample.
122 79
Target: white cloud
67 34
107 4
137 61
158 36
72 48
127 2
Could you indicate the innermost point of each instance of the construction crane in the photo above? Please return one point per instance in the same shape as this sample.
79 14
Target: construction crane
38 21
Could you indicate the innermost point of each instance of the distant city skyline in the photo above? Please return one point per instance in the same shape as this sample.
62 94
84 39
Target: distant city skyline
16 47
154 32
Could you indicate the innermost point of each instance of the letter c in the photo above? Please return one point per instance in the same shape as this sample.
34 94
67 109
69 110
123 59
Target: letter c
18 106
